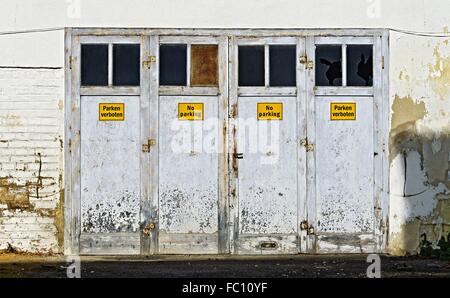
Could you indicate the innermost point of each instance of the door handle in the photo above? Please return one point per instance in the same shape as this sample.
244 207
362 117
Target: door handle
239 155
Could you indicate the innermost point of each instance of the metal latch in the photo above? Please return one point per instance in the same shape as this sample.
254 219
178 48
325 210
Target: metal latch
309 147
304 60
151 226
146 147
239 155
305 226
147 63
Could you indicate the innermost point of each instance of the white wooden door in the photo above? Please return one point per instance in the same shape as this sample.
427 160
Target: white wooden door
268 161
344 94
192 160
111 136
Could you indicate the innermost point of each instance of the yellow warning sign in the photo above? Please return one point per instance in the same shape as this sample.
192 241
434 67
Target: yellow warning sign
270 111
111 111
343 111
190 111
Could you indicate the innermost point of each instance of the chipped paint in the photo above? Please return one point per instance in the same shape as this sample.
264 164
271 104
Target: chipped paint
405 112
59 215
419 143
192 211
188 177
407 240
10 120
31 161
110 185
14 196
439 74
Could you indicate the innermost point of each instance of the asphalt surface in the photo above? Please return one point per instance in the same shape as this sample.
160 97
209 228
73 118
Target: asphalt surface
298 266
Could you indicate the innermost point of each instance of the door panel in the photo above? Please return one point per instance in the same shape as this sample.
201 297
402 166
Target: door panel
344 178
267 185
110 178
189 178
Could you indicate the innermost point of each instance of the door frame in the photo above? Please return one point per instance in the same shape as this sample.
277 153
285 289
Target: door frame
150 47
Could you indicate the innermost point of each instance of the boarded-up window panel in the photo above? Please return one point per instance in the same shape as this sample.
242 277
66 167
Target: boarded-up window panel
204 65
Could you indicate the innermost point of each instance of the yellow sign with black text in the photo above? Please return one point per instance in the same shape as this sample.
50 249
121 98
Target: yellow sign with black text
270 111
343 111
190 111
111 111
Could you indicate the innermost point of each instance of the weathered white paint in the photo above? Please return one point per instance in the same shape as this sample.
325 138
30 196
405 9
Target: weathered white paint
418 184
344 153
110 195
110 174
31 132
410 58
344 165
267 185
188 171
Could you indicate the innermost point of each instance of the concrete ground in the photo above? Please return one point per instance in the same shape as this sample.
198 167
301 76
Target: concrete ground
340 266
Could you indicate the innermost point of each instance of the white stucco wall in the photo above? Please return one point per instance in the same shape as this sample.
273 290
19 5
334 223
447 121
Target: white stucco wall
46 49
419 75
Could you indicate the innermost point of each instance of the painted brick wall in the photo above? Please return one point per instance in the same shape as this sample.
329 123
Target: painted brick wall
31 159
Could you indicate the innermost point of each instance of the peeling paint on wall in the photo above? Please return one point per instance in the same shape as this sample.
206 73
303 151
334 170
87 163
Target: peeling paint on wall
13 196
31 161
419 142
439 74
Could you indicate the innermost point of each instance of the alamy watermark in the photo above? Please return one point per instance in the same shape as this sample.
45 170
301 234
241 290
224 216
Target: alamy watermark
73 10
261 138
373 9
74 268
374 269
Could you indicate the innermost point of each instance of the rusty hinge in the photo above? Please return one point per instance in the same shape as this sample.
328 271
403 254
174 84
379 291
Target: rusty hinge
309 147
147 62
148 228
306 226
233 111
71 61
382 62
146 147
70 145
308 63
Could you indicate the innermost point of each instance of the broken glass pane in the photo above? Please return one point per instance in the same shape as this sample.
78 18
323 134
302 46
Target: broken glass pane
126 65
282 65
328 65
204 65
359 65
251 65
172 65
94 65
